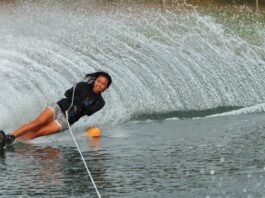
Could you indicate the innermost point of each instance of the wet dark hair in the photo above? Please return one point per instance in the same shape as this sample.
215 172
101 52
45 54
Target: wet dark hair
100 73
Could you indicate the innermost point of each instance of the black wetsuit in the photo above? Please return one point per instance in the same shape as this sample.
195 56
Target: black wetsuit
86 101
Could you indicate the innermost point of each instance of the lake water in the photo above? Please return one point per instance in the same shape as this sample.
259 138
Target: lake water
207 157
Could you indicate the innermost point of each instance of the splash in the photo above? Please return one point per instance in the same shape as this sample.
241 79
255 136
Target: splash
161 62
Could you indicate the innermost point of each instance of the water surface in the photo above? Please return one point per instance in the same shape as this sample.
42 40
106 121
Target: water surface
214 157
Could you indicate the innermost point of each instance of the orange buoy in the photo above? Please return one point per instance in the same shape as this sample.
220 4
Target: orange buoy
93 132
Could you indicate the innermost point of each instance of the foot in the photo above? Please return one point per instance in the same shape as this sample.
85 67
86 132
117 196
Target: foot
10 138
6 139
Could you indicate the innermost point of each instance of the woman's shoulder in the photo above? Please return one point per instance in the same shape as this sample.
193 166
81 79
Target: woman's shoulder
84 86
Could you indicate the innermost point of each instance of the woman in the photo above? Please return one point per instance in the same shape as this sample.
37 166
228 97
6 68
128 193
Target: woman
83 99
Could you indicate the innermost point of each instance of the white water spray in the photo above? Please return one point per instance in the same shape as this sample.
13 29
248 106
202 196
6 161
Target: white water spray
160 61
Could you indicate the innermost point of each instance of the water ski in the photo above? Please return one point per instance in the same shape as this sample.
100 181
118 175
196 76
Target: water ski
2 139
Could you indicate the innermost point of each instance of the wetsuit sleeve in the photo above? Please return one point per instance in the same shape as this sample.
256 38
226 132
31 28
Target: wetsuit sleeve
78 88
94 108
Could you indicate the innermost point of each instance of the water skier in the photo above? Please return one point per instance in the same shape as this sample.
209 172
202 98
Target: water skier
87 100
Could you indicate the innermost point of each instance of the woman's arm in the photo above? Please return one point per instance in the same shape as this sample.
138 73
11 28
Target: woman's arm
91 109
78 88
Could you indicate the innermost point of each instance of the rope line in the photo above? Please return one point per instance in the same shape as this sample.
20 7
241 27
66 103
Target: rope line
91 178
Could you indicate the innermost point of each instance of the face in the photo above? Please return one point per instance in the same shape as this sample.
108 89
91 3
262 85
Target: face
100 84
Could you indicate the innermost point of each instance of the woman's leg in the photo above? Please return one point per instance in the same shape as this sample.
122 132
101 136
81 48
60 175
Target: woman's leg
44 117
48 129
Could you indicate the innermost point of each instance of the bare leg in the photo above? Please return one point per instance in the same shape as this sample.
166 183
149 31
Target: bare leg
44 117
48 129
